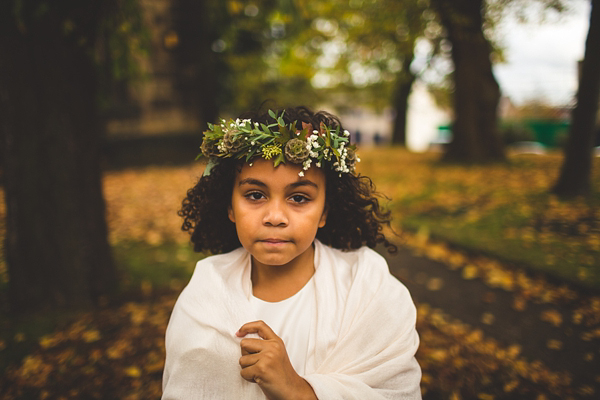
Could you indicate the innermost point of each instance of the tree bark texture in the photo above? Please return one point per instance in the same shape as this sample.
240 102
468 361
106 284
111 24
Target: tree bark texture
575 176
403 88
56 247
476 137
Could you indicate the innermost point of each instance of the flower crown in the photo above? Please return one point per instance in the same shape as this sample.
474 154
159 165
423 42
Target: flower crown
244 139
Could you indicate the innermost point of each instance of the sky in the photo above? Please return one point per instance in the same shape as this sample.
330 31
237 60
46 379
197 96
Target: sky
541 58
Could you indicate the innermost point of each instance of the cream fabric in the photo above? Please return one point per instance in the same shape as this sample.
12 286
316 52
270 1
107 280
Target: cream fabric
361 345
291 320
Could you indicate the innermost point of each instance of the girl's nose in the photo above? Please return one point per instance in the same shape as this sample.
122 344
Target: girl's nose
275 215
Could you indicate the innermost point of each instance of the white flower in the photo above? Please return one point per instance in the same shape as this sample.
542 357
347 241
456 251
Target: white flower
301 173
306 164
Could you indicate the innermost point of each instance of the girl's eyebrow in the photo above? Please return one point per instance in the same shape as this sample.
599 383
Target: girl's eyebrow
252 181
303 182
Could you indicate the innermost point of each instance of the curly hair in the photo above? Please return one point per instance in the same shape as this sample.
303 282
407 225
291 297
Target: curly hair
354 215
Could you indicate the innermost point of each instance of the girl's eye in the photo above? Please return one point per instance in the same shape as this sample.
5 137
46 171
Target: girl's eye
254 196
298 198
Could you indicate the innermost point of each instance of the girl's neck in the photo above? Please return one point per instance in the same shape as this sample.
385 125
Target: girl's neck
275 283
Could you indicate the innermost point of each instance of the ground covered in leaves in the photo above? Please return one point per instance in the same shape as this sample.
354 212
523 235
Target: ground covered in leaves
118 351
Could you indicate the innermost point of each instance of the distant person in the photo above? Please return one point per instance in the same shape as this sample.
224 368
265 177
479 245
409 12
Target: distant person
377 139
294 304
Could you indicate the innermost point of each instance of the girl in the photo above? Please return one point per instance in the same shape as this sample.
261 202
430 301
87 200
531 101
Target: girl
295 305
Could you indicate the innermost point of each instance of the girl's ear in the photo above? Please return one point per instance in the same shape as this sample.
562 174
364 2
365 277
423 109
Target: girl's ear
323 219
230 214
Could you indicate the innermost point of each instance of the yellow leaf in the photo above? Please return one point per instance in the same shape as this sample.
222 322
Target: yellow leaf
474 337
554 344
485 396
133 372
586 390
487 318
91 336
455 396
514 350
469 272
519 304
426 378
439 355
435 284
553 317
48 341
510 386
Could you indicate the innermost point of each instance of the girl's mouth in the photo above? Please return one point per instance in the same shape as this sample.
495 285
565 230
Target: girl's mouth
274 241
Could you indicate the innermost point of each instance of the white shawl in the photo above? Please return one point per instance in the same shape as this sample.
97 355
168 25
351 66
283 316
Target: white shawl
362 344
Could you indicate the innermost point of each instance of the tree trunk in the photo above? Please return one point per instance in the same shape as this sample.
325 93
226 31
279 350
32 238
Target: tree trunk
575 175
403 88
199 80
57 251
475 132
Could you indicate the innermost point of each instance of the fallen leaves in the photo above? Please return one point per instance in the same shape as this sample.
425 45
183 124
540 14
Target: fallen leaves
553 317
114 353
462 363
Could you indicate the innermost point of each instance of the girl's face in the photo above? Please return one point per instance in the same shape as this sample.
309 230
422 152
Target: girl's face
276 212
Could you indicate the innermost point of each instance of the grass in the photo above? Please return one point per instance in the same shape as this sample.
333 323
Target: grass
502 210
154 267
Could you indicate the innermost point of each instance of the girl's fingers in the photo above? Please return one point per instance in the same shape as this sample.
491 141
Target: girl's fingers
251 346
251 375
263 330
249 360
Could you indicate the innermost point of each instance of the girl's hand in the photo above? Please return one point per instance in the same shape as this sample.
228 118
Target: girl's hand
265 362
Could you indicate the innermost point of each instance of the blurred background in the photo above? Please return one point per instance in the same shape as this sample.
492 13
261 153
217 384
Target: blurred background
477 118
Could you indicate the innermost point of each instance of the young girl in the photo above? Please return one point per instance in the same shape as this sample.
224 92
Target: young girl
295 305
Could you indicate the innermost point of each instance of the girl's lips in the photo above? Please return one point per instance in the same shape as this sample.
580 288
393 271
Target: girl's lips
274 241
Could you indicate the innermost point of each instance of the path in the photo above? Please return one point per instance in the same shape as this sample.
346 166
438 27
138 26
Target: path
473 302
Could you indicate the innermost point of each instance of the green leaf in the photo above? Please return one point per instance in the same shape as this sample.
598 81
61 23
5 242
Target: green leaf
279 159
251 154
265 128
272 114
285 133
303 134
209 166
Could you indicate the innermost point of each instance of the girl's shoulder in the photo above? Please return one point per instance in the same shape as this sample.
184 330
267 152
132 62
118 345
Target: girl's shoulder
363 257
363 266
220 266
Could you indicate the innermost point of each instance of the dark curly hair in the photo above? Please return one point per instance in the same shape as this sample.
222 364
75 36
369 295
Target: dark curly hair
354 215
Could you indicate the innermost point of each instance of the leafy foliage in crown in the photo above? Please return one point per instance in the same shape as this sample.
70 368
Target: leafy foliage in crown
244 139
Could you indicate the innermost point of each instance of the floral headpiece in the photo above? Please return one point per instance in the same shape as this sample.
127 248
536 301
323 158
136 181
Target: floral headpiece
244 139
